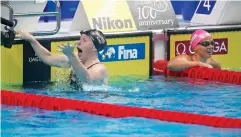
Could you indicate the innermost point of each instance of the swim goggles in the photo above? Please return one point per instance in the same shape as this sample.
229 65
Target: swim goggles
207 43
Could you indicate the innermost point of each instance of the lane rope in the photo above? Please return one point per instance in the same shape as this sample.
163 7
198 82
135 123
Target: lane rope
224 76
115 111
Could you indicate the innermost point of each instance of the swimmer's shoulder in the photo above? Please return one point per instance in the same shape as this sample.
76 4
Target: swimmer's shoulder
99 69
99 75
184 57
214 63
103 69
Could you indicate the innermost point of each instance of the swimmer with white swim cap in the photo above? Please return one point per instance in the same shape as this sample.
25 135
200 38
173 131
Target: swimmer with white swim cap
86 67
202 44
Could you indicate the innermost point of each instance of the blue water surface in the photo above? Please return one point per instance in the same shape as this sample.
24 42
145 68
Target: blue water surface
177 94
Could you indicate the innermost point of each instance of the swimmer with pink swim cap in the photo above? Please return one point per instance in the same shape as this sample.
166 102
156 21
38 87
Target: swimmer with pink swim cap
202 44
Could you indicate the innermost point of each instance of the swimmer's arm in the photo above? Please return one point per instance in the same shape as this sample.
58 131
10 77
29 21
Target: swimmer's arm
79 69
215 63
180 63
47 57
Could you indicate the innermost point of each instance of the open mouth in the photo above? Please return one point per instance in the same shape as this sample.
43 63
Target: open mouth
79 50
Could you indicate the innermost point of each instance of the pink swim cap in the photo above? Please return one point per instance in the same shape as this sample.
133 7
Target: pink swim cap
198 36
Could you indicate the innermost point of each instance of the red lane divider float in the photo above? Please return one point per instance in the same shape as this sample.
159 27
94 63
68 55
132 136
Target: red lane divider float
115 111
225 76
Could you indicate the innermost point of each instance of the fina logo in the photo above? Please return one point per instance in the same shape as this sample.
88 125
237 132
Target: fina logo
127 53
123 52
109 54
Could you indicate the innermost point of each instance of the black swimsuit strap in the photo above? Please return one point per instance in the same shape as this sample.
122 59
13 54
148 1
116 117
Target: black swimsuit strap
71 73
93 65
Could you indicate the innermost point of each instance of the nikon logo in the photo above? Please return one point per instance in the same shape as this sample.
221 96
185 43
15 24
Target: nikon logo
107 23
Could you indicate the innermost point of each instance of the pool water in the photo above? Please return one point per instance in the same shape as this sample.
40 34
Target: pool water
178 94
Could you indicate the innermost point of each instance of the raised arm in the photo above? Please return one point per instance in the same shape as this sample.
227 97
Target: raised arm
94 76
46 56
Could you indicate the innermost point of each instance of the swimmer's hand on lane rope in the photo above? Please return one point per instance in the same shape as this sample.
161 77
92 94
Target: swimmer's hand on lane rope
67 49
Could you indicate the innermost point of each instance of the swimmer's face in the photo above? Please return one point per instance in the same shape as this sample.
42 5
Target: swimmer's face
84 46
205 47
